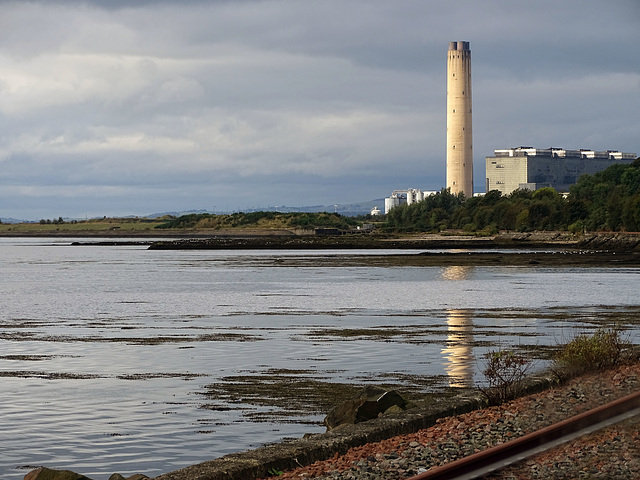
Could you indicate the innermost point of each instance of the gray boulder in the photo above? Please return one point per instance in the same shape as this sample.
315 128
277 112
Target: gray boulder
370 403
43 473
137 476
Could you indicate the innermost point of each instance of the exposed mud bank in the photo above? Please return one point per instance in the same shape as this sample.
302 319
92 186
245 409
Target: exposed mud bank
256 239
303 242
560 258
536 249
619 242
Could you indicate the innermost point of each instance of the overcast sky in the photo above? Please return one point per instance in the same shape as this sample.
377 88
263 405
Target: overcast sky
135 107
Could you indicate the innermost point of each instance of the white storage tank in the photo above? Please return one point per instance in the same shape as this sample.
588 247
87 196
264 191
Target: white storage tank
390 202
410 198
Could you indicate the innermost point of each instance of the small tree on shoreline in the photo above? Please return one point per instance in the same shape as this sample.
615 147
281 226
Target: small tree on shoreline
505 371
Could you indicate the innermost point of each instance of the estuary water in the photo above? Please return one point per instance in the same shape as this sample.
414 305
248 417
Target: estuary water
123 359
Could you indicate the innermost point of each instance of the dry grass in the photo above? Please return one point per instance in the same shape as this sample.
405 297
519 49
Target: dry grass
91 226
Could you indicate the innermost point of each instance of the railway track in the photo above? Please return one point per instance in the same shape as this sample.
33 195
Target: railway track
508 453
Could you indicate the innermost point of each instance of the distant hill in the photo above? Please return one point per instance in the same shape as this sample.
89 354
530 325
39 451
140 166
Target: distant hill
13 220
177 214
347 209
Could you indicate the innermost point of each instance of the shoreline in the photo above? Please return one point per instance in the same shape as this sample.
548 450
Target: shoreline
544 249
313 452
610 451
402 444
285 239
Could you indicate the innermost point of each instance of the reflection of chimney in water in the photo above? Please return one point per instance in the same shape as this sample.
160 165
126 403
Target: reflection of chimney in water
457 272
459 350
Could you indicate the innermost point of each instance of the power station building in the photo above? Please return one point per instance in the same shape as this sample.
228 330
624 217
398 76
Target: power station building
509 169
459 125
534 168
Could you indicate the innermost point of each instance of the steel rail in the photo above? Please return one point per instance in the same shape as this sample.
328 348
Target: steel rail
495 458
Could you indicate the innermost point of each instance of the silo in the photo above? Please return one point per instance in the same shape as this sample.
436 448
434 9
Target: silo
390 202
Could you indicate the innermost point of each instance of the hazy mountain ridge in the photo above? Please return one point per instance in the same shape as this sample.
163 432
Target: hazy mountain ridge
347 209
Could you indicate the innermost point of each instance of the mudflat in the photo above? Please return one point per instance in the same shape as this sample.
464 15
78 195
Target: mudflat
544 248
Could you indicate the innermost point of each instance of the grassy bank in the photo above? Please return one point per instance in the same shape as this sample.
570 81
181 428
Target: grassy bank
105 226
255 223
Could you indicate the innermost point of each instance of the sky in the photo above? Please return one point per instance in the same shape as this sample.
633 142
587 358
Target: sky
136 107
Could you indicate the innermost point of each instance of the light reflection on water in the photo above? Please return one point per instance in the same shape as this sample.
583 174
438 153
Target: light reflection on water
104 350
459 350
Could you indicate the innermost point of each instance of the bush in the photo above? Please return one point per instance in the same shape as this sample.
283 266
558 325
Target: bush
577 228
603 349
504 372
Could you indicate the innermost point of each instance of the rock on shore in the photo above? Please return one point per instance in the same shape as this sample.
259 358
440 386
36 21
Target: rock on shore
44 473
611 241
372 402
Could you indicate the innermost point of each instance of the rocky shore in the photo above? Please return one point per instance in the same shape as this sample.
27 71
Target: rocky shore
544 248
358 241
540 248
618 242
239 239
613 452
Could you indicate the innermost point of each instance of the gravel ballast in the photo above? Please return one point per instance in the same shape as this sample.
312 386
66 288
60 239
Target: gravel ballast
613 452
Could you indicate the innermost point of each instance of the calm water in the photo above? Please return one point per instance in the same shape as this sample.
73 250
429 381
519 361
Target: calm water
105 352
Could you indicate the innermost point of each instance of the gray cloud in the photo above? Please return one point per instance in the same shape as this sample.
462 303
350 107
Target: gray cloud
120 107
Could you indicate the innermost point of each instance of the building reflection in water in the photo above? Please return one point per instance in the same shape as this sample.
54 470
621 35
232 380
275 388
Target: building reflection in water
459 351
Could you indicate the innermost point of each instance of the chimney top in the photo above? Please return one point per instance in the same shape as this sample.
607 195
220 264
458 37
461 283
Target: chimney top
459 46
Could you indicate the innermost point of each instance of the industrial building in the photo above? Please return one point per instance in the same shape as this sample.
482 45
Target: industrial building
534 168
509 169
409 196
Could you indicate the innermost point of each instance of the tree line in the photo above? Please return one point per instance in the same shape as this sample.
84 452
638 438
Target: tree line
605 201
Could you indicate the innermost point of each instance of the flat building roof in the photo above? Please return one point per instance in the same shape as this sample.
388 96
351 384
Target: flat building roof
561 152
